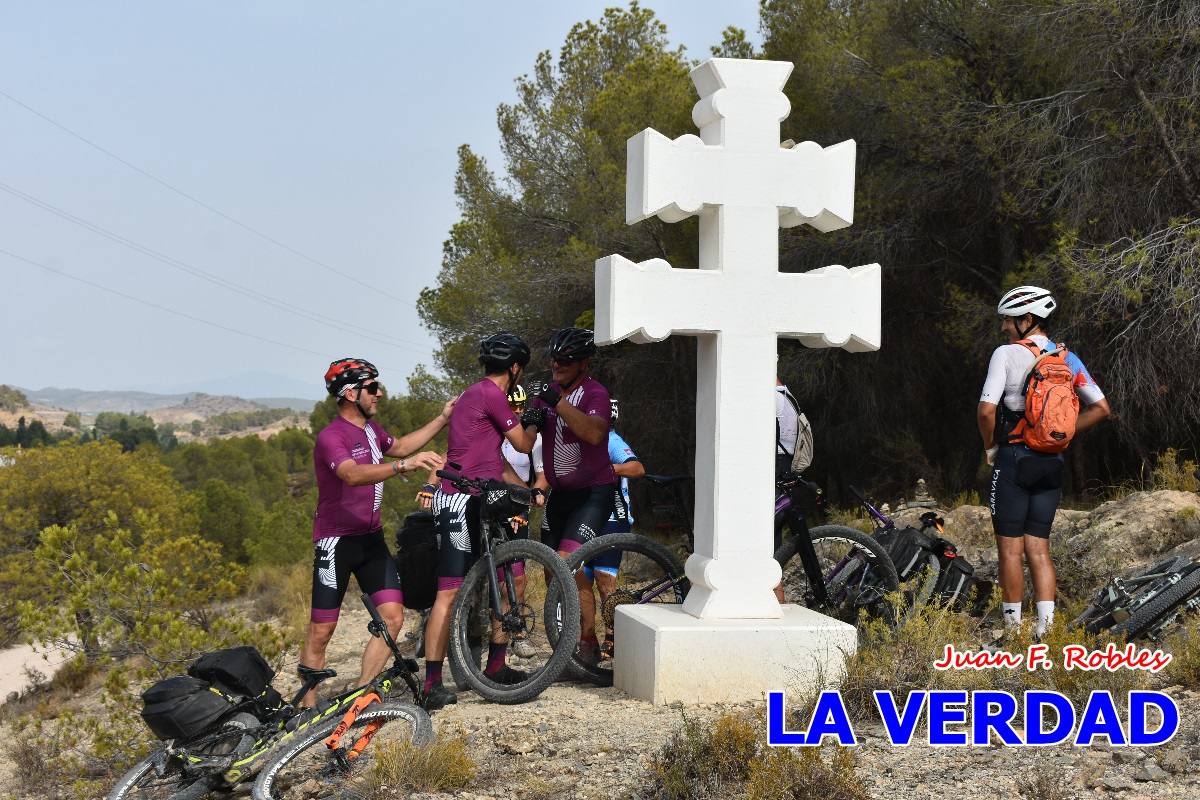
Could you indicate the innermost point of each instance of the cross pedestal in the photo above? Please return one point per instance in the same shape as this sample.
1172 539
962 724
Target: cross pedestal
731 639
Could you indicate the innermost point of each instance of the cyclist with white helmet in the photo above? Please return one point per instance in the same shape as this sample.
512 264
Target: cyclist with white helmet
1025 484
347 530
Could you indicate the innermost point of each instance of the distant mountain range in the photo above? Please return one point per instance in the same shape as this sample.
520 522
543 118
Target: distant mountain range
93 402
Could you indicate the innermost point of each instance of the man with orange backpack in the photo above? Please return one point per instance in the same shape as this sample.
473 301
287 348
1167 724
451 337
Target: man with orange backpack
1028 414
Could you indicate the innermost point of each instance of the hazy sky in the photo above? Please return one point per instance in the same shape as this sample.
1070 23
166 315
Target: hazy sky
329 127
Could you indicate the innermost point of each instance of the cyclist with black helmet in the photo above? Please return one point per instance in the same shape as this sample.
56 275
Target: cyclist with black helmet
1025 485
481 420
347 531
574 412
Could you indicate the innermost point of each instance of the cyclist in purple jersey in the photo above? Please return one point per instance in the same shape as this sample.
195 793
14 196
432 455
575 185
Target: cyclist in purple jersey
573 413
481 420
347 534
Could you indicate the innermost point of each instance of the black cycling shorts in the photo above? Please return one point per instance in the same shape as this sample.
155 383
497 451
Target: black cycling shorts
573 516
1024 490
457 518
364 555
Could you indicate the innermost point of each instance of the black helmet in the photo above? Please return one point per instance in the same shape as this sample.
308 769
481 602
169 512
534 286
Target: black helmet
348 372
501 350
572 344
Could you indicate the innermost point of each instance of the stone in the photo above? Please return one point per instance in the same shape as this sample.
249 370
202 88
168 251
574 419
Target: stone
1117 783
1174 761
665 655
743 186
1128 755
1151 772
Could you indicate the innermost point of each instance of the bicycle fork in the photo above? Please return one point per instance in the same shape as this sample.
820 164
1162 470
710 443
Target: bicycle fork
808 558
510 588
334 742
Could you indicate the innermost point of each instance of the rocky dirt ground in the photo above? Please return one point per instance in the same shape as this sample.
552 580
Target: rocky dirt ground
587 743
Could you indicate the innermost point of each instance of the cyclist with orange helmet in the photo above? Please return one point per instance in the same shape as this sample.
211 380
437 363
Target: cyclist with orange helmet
347 531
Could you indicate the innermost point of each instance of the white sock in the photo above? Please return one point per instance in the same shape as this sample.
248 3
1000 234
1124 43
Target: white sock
1012 614
1045 611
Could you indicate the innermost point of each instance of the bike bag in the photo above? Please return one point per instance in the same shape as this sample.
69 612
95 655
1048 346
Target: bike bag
417 560
235 670
909 550
503 502
183 707
956 580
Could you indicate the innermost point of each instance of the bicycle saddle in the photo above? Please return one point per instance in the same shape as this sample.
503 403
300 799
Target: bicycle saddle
317 675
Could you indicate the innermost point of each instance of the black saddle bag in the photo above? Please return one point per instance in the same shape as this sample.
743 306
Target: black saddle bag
183 707
909 549
235 670
417 560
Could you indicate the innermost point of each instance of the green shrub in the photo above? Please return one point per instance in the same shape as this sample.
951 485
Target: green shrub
444 765
705 759
804 773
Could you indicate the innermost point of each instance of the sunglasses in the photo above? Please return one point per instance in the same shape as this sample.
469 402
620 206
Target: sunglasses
372 388
565 362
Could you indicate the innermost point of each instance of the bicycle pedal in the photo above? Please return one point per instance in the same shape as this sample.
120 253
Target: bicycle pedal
411 665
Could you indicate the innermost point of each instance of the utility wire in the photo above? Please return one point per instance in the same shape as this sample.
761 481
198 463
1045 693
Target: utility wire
198 201
217 280
185 315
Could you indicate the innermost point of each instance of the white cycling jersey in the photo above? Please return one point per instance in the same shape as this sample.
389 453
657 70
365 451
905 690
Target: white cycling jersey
520 461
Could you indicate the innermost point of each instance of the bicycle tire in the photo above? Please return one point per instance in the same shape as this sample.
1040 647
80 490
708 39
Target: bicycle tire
533 553
1141 620
931 571
271 783
663 559
180 787
865 592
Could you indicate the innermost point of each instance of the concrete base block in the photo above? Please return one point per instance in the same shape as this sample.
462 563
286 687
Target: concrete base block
665 655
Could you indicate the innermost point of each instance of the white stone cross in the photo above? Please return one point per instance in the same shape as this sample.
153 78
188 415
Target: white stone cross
744 186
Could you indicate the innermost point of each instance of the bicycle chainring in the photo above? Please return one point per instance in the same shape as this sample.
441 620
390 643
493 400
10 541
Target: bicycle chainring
620 597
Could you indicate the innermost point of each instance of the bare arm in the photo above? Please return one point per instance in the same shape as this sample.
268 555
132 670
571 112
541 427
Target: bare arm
1093 414
521 438
356 474
630 469
986 417
592 429
510 475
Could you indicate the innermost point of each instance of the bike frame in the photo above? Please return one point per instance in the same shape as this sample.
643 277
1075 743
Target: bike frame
787 510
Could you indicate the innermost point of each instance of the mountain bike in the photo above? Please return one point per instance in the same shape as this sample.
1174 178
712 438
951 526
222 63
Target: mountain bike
278 746
646 572
487 606
840 571
1147 603
923 564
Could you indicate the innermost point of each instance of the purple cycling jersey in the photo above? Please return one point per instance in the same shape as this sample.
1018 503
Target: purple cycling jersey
478 423
570 462
342 509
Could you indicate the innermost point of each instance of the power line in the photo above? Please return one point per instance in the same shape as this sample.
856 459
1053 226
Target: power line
183 314
195 271
197 201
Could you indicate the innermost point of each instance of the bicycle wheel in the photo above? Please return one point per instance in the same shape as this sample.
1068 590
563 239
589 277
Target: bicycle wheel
857 570
177 781
474 599
306 769
477 630
647 573
1145 617
927 578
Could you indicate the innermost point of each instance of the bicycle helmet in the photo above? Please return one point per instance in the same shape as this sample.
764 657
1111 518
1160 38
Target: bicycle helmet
572 344
517 397
347 373
1026 300
501 350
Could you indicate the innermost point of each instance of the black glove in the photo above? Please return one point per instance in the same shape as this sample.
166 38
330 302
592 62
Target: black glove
548 395
535 417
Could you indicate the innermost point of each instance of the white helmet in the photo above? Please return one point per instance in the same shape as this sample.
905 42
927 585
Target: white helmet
1026 300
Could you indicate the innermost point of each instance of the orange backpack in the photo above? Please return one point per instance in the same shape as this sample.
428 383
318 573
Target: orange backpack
1051 405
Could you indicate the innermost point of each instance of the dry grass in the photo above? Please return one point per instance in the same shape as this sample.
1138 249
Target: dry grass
729 757
1184 646
804 773
285 593
1043 784
401 767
